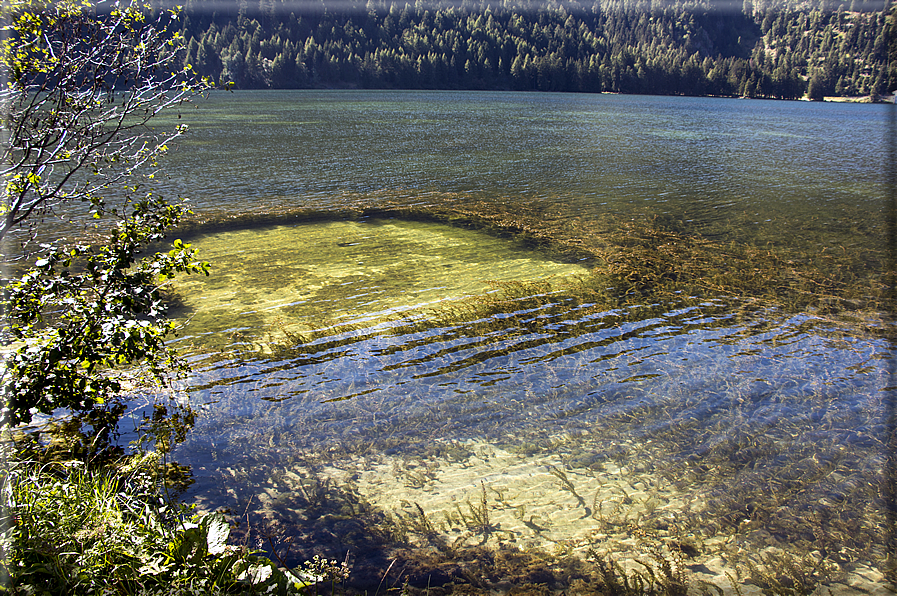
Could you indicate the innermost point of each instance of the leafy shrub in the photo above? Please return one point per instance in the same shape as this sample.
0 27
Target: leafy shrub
68 529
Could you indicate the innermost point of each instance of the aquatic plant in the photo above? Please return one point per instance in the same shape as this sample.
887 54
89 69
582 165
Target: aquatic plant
696 462
644 265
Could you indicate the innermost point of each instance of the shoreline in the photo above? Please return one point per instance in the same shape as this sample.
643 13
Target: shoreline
859 99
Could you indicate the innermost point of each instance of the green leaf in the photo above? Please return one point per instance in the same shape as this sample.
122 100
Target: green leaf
217 532
257 573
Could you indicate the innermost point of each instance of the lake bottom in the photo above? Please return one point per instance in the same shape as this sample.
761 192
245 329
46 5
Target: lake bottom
547 433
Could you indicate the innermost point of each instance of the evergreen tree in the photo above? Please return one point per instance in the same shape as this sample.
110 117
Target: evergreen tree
766 50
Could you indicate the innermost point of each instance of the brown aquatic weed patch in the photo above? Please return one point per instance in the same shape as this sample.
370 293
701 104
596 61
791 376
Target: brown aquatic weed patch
645 259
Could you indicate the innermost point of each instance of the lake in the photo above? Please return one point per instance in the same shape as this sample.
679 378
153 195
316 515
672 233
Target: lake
497 339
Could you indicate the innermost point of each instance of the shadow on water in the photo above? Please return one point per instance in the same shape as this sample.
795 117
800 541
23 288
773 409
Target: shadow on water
656 404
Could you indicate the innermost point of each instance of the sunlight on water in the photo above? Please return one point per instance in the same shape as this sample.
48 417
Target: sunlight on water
684 426
418 392
542 425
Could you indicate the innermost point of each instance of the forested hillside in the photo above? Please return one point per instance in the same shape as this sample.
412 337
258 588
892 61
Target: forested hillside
777 51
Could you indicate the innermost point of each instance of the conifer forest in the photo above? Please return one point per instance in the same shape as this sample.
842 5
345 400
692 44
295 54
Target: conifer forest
763 50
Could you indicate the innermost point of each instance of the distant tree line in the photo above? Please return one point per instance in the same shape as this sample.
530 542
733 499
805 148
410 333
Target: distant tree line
765 50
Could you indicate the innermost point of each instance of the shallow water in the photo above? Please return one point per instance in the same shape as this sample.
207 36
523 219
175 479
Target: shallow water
366 389
308 276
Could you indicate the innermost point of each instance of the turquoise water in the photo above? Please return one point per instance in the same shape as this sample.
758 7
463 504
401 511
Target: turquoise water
322 391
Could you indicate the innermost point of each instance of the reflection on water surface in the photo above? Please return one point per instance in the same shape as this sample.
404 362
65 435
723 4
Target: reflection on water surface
710 393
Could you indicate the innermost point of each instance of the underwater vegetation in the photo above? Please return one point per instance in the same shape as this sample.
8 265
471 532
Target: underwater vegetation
641 260
697 413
